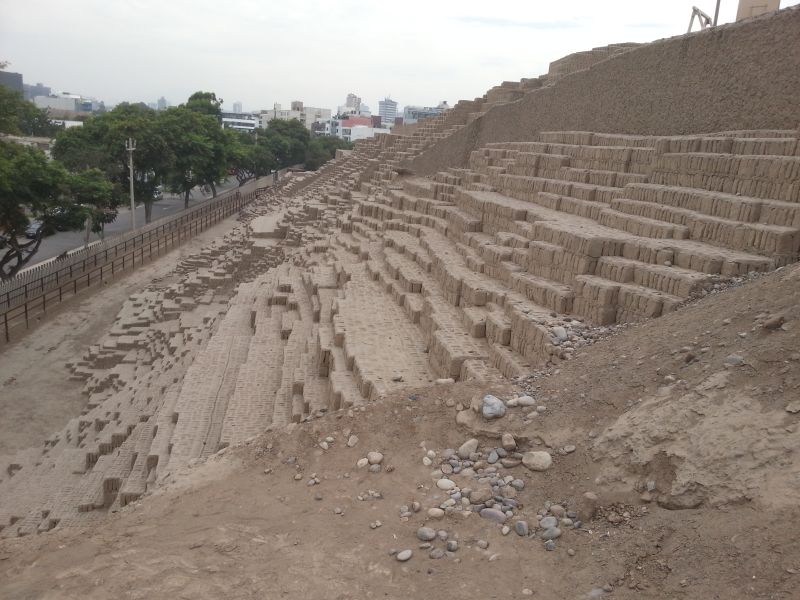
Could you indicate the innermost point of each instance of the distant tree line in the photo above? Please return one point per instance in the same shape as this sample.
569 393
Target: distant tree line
88 178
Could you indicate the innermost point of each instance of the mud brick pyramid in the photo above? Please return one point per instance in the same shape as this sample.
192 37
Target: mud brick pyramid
362 279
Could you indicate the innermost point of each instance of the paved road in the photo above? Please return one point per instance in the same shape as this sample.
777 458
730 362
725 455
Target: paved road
170 205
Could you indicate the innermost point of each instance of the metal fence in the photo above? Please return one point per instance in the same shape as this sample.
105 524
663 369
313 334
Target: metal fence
29 295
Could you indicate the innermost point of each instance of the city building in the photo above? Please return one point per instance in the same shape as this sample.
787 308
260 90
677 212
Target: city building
754 8
237 107
307 115
31 91
353 101
65 102
240 121
351 129
412 114
62 102
362 111
162 104
387 109
12 81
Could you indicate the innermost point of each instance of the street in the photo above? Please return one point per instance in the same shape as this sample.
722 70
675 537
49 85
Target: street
170 205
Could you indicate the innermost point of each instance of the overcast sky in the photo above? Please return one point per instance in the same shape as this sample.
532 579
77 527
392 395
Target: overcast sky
262 52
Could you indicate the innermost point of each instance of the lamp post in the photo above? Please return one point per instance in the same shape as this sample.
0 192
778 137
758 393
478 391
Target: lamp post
716 13
130 146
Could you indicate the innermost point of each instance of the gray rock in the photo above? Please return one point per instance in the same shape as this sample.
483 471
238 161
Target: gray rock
493 407
551 533
734 360
560 333
466 449
518 484
549 545
452 546
436 554
521 527
404 555
492 514
480 495
375 468
493 457
483 544
537 460
548 522
426 534
526 401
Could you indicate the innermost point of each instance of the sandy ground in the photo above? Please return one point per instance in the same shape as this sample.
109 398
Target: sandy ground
241 526
35 402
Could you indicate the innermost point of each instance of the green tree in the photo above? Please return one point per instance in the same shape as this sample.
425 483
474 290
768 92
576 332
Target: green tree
31 188
251 155
291 140
205 103
97 197
321 149
17 116
81 148
200 149
100 144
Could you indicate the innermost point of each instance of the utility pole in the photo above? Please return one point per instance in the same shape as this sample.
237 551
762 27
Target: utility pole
130 146
716 13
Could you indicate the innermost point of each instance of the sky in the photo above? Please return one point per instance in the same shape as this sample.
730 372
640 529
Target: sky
262 52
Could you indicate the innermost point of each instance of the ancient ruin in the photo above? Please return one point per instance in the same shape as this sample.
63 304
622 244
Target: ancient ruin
375 275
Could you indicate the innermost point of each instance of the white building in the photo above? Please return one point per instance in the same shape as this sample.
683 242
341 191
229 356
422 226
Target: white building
362 111
353 128
71 103
412 114
307 115
362 132
237 107
387 109
240 121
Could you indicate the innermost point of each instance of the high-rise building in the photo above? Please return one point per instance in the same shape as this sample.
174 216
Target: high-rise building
237 107
161 104
387 109
353 101
12 81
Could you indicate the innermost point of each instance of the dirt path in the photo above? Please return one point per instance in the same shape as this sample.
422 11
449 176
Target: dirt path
36 394
241 526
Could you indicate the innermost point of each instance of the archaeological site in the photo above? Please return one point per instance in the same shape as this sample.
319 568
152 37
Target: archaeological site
546 344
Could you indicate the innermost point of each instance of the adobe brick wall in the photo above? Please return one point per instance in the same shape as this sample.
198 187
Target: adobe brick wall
738 76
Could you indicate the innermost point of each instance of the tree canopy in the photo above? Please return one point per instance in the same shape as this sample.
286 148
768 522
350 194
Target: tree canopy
31 188
88 178
205 103
17 116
